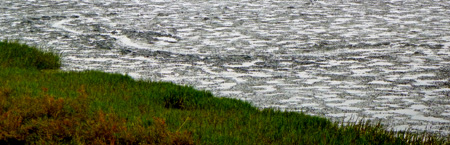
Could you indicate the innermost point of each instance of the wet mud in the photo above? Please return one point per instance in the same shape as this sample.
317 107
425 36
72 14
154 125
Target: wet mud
386 60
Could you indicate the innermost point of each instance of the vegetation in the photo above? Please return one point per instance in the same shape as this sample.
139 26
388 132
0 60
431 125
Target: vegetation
42 106
14 54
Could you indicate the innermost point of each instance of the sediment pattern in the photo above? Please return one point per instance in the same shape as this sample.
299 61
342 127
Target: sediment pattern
347 60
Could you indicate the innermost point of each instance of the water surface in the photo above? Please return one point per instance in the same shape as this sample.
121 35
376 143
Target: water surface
385 60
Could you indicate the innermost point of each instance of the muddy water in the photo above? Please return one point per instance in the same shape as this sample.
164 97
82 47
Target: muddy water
385 60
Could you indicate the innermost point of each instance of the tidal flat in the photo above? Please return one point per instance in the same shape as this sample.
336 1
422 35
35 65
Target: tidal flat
346 60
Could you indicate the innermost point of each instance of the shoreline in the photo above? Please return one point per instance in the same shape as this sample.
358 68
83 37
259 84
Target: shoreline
368 59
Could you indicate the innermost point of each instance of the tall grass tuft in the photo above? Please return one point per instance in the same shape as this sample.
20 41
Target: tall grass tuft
15 54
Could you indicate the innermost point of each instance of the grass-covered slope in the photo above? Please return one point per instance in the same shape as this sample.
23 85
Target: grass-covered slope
39 106
14 54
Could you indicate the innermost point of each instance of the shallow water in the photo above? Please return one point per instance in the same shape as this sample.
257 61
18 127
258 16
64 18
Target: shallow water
385 60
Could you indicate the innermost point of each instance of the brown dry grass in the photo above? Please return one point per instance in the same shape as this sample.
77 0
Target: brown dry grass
50 120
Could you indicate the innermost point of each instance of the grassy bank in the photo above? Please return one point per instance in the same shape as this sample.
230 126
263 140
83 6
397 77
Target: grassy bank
42 105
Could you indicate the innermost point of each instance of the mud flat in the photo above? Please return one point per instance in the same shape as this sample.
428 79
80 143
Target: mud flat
383 60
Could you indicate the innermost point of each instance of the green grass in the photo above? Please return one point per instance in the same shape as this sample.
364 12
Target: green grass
42 105
14 54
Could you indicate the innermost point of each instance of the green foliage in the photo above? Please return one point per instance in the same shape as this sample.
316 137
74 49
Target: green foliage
14 54
92 107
